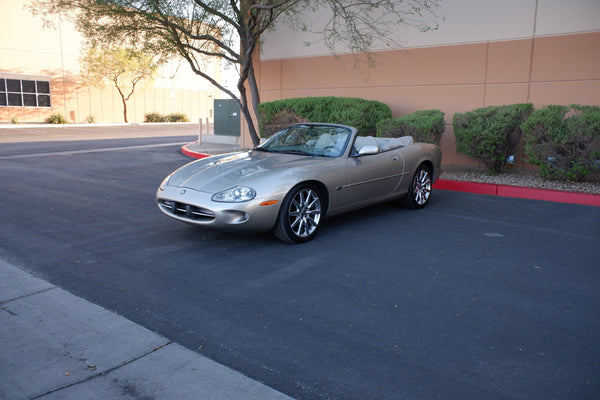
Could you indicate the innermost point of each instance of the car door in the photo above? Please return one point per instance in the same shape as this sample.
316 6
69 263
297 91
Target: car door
373 176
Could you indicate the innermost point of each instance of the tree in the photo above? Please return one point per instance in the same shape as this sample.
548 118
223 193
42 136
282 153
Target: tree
124 68
231 30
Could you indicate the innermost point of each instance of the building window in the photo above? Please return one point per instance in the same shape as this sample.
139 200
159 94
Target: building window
32 92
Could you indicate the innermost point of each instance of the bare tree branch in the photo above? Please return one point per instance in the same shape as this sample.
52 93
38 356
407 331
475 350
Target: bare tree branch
213 29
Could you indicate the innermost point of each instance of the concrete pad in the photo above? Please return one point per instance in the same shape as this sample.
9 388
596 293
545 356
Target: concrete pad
52 339
172 372
15 283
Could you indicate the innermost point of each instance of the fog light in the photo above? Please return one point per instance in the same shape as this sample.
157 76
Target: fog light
236 217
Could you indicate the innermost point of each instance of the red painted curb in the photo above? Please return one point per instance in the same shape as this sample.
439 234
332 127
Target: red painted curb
188 152
488 188
586 199
464 186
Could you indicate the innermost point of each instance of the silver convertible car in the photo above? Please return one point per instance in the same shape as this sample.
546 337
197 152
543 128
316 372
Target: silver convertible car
290 182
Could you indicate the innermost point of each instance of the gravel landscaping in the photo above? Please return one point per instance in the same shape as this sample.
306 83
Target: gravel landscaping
518 177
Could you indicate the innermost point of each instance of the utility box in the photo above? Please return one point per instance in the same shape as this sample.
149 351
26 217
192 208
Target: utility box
227 117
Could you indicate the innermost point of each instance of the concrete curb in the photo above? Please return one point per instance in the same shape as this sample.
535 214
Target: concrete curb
483 188
185 149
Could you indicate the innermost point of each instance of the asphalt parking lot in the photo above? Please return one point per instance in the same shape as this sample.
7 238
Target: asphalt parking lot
473 297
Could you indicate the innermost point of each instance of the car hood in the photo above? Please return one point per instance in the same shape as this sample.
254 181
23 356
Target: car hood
217 173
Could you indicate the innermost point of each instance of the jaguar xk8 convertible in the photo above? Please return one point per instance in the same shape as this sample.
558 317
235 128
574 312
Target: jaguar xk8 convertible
290 182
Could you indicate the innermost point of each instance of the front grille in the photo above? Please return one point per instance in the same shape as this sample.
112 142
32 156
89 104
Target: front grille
186 210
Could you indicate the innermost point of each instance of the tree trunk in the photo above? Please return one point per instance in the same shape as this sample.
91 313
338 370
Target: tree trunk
122 99
125 111
248 45
245 109
255 96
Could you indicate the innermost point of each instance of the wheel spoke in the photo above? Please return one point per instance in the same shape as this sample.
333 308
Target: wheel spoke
302 200
299 228
315 203
296 204
295 222
305 229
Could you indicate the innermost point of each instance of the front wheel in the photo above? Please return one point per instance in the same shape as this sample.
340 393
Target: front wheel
419 190
300 215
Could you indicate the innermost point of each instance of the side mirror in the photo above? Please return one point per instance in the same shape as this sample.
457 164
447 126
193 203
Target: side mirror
368 150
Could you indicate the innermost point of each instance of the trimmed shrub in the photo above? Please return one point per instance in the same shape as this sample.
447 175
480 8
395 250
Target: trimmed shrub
490 134
154 117
362 114
564 141
425 126
177 117
56 118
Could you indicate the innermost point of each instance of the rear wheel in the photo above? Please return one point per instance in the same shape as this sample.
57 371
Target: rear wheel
419 190
300 215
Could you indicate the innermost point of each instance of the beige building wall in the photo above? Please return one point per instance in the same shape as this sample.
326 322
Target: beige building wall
29 49
485 53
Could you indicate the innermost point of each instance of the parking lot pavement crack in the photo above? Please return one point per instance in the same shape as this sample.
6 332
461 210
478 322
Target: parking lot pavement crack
3 302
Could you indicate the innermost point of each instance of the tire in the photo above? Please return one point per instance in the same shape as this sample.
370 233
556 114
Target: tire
420 187
300 215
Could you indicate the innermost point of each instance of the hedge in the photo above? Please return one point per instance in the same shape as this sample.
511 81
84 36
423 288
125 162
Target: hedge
490 134
564 141
425 126
362 114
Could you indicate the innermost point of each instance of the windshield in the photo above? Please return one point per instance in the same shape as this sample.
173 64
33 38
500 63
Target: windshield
310 140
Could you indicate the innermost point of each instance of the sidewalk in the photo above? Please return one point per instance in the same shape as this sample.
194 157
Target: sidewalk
55 345
72 132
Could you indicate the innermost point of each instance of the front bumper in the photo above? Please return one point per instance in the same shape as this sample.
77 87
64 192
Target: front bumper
196 207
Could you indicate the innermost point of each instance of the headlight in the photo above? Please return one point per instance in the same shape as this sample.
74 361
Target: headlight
236 194
165 183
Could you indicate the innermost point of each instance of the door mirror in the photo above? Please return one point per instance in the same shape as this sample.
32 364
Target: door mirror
367 150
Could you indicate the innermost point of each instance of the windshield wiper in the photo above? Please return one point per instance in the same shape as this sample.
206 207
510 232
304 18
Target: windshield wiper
299 152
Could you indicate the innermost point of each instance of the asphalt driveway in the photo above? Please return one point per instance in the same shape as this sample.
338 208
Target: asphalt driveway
473 297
